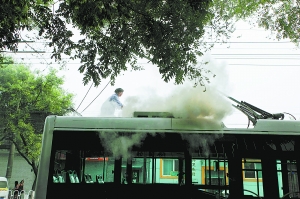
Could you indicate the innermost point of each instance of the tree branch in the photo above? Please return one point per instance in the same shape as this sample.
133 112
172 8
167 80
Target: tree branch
4 135
143 14
23 155
24 141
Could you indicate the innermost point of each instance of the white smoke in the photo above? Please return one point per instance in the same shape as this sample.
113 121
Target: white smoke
183 101
200 141
120 145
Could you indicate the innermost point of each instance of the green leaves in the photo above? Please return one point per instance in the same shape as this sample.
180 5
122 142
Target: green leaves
14 17
26 98
282 18
116 34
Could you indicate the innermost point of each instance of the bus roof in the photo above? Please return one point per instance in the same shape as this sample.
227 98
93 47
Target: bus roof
264 126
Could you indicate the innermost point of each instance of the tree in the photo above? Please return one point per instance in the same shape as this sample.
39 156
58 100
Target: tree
282 17
26 98
170 34
15 16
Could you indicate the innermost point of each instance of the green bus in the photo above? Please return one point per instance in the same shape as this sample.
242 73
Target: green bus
158 156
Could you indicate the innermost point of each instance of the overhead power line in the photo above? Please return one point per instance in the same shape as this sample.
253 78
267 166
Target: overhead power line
96 96
251 42
214 54
219 42
85 96
256 48
256 58
275 54
23 52
242 64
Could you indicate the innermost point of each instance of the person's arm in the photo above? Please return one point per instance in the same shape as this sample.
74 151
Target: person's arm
116 99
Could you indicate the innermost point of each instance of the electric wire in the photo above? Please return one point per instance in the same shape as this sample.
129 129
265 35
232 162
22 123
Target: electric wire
242 64
217 42
96 96
278 58
230 64
214 54
84 96
256 54
290 115
47 64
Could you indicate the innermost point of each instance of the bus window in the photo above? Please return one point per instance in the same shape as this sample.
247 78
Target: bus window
209 171
153 168
168 168
293 179
252 177
287 178
60 159
140 170
59 171
99 169
279 177
75 166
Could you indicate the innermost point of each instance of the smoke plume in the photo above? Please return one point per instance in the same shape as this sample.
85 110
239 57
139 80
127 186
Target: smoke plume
205 110
202 141
184 102
118 145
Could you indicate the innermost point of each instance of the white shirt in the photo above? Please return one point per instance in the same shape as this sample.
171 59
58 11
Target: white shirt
112 107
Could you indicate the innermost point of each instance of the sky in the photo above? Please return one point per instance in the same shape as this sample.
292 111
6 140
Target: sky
253 67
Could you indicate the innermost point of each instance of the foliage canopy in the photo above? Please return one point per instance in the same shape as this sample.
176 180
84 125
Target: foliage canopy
170 34
26 98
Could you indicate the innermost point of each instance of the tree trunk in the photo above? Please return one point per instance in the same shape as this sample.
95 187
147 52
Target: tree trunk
10 161
35 171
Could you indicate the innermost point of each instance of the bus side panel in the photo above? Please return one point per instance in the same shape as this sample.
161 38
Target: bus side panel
43 172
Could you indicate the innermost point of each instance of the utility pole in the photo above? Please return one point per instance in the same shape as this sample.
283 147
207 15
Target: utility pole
10 161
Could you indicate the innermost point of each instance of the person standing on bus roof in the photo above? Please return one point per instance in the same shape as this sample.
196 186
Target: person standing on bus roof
112 104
